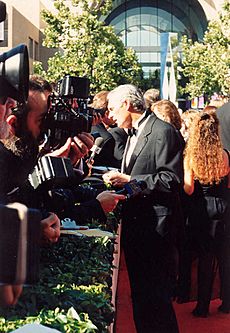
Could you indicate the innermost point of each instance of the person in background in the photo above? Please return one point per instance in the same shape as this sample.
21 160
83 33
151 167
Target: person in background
223 114
114 137
167 111
106 156
206 167
186 121
210 108
151 96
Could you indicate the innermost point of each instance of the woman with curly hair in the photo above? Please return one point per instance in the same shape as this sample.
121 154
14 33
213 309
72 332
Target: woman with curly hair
206 166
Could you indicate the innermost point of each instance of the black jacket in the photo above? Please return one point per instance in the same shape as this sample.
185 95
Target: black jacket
223 114
106 156
120 136
157 159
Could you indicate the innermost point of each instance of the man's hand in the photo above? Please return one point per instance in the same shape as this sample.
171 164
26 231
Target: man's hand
50 228
80 147
9 294
116 178
97 118
109 200
75 148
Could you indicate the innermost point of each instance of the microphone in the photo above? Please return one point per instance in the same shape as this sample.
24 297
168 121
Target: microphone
2 11
96 149
133 188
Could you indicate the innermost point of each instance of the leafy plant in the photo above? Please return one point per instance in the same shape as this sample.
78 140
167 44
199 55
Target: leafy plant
207 64
86 46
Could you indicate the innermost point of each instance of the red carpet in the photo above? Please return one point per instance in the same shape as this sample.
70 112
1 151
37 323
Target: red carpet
215 323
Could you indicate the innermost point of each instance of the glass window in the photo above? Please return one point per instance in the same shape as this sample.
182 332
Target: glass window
4 26
31 48
36 55
140 27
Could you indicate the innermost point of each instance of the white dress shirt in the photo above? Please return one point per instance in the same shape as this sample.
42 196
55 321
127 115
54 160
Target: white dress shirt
133 140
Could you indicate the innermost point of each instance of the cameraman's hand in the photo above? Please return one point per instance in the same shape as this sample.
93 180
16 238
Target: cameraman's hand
97 119
109 200
50 228
75 148
80 146
63 151
116 178
9 294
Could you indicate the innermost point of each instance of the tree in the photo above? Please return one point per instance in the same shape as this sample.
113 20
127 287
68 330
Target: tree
207 64
86 46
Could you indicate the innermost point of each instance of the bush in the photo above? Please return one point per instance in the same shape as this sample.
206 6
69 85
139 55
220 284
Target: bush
74 291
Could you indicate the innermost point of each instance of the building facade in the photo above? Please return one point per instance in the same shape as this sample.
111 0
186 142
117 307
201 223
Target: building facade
139 23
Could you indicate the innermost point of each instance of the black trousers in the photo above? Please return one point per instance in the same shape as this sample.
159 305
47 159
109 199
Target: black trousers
151 265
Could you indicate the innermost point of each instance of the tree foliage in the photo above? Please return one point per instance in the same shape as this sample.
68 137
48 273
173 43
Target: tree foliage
207 64
86 46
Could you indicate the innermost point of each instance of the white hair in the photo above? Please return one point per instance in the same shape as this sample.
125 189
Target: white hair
130 92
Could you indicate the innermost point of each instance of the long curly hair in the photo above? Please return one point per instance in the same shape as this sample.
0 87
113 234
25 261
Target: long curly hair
204 152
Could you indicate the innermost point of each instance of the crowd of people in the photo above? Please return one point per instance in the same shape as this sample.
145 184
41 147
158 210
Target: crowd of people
182 214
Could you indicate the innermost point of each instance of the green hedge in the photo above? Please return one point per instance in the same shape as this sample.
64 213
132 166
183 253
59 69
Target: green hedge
74 290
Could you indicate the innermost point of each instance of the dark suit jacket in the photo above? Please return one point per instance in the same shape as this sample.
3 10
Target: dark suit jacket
106 156
223 114
157 159
120 136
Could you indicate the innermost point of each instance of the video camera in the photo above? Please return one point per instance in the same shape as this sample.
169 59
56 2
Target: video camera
68 113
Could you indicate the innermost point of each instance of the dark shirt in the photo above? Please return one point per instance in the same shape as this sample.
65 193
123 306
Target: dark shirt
14 170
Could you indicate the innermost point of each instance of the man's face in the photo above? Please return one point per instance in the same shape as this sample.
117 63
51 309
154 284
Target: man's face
5 111
38 107
118 111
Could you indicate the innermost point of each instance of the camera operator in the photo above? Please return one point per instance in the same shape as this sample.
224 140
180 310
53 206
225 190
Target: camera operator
9 294
18 155
20 151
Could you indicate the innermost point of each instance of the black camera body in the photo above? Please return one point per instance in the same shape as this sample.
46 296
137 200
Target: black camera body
52 183
68 113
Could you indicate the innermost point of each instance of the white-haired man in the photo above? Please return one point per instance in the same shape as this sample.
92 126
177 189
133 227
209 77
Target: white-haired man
153 154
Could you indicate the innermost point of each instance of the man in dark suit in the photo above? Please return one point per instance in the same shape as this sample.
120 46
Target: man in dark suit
153 154
223 114
120 136
103 122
